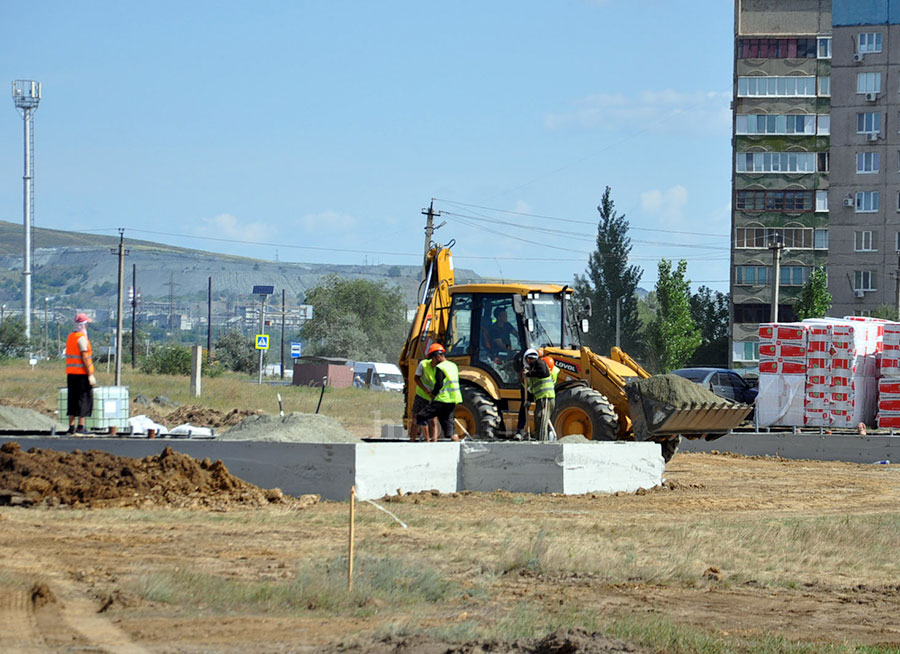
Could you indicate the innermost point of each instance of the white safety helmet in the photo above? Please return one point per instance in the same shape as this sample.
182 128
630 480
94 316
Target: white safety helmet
530 353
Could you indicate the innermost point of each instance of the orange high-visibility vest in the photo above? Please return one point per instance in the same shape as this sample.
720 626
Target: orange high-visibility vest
74 364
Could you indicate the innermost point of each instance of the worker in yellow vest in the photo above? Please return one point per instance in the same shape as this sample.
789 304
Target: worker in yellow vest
424 376
79 374
445 394
542 387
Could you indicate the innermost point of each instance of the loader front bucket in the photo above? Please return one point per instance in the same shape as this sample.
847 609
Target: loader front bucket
654 420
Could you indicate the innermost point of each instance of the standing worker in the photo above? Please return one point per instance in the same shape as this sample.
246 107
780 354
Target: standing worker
79 374
424 376
542 387
444 396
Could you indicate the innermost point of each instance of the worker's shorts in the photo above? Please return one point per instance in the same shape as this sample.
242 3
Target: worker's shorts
419 403
443 411
80 399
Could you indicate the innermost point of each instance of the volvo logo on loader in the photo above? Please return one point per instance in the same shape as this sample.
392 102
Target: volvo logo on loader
565 365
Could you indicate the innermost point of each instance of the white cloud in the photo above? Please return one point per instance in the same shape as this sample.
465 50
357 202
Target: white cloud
668 204
666 110
227 226
331 221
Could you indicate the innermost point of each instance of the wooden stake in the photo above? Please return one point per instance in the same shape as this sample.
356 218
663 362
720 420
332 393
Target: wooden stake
350 544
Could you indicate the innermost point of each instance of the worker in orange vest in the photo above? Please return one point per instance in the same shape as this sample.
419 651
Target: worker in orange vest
79 374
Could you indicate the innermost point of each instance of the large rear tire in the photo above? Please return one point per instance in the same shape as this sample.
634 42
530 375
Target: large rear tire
478 413
669 448
582 410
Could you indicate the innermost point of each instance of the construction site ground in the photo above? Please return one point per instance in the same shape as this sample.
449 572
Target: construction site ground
731 554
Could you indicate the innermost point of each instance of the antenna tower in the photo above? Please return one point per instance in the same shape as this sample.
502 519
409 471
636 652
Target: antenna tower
26 95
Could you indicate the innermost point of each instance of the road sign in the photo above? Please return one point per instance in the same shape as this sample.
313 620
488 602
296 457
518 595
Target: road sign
262 341
296 349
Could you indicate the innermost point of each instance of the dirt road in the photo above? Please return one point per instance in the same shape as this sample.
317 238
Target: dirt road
730 548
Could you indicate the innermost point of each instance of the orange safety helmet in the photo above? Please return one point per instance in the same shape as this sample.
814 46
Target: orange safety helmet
435 348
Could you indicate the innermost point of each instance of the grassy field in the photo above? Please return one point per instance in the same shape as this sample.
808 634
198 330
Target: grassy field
359 410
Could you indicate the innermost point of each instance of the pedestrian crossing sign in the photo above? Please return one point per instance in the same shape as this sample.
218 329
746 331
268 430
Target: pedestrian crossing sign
262 341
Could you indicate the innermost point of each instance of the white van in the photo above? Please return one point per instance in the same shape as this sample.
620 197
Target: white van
385 376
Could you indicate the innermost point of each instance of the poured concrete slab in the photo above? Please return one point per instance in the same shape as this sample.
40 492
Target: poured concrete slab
570 468
854 448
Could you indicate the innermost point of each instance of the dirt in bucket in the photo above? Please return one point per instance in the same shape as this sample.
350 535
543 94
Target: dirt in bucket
676 391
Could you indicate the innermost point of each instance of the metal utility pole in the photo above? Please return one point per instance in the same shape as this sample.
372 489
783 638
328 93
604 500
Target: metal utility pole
262 312
121 252
26 96
282 334
776 245
134 303
46 340
619 321
209 322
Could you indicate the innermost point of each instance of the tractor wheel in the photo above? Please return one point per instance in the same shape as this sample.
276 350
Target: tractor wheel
582 410
478 413
669 448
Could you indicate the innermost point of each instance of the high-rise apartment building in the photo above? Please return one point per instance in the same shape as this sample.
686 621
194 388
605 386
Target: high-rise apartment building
816 157
782 158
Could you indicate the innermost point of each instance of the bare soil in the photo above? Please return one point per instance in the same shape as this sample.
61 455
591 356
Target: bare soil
68 577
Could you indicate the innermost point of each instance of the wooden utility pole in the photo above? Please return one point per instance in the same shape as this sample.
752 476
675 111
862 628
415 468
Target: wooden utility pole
429 225
776 245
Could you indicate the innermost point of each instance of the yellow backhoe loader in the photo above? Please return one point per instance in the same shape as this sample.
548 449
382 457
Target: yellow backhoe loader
484 326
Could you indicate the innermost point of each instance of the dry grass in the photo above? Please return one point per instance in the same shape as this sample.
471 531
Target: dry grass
360 411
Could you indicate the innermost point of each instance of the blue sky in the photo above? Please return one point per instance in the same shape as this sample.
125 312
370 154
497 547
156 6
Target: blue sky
330 125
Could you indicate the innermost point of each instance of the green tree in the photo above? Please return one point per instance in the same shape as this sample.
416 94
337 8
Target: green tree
709 309
13 343
236 352
672 335
356 319
815 300
607 278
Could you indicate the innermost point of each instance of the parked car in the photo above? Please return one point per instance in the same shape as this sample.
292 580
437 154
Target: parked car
721 381
379 376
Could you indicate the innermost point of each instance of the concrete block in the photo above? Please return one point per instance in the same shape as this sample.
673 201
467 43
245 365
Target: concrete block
575 468
382 468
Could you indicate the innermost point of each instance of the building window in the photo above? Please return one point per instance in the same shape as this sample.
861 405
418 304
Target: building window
779 48
825 86
864 280
755 313
777 162
774 200
868 82
824 47
867 201
794 275
784 87
798 238
864 241
868 122
869 42
898 203
867 163
777 124
746 350
823 125
821 201
820 239
897 243
751 275
823 161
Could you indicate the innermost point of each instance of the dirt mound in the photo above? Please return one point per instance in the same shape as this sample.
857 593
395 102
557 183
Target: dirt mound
203 417
295 427
100 479
676 391
574 641
25 419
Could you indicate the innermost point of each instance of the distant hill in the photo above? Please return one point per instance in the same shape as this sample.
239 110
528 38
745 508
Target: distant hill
80 270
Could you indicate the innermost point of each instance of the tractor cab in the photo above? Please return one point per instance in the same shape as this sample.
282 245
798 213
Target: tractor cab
489 326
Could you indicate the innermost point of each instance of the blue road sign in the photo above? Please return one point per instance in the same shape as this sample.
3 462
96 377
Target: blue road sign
262 341
296 349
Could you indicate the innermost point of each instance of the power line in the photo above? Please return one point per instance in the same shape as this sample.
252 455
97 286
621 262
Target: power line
580 222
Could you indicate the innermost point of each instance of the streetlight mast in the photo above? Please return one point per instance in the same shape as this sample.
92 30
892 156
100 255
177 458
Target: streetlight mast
26 95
